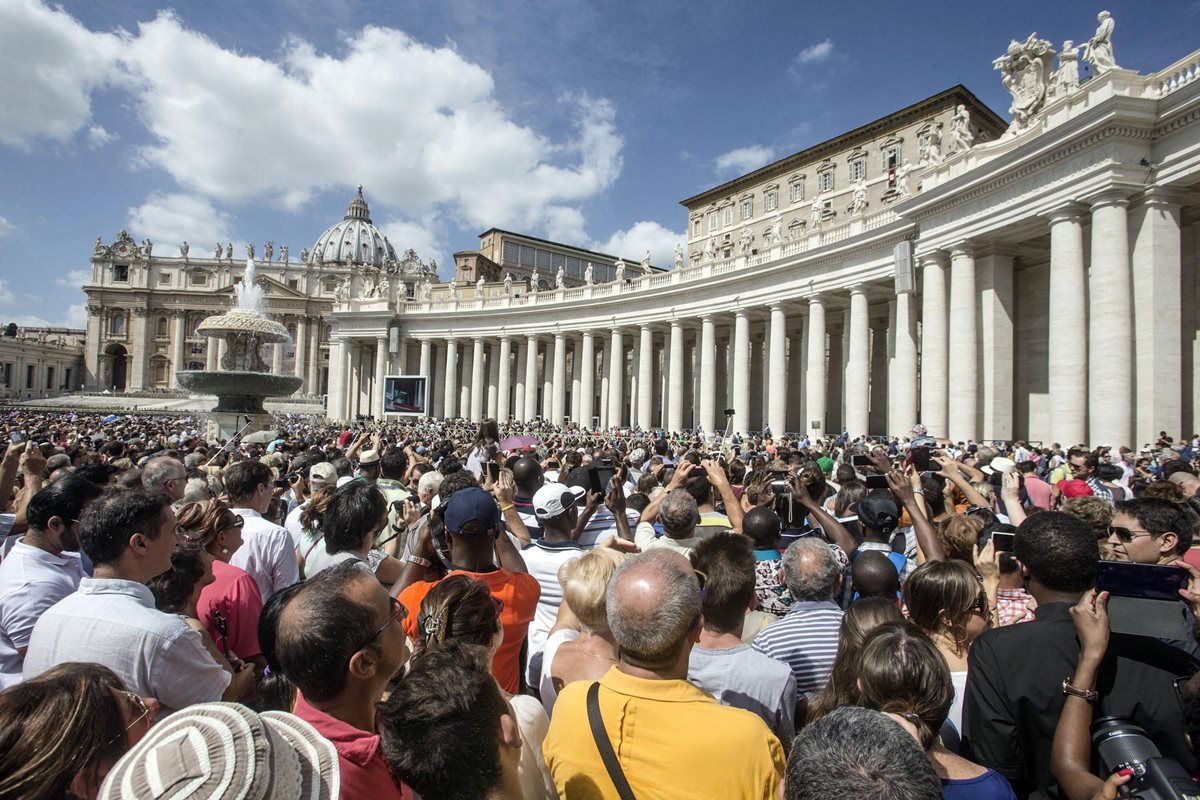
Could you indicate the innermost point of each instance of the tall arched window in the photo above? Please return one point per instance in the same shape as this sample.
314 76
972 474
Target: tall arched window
118 325
160 328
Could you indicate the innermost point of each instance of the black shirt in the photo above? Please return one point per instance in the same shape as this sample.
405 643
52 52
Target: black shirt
1014 695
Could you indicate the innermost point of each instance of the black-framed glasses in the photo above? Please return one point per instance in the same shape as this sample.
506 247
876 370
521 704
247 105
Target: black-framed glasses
142 711
1125 534
398 612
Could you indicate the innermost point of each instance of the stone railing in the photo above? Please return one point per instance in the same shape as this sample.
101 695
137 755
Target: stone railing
1180 74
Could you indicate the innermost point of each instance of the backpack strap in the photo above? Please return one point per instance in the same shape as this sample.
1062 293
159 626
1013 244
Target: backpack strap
607 755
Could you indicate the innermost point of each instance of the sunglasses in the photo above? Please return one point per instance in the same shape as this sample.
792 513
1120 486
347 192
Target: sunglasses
398 612
1125 534
141 712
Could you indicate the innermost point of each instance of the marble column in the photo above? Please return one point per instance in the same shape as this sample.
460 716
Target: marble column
605 359
531 361
504 380
645 390
477 387
994 270
674 421
576 380
814 425
426 359
558 383
451 378
301 353
796 383
902 390
616 379
759 345
1110 325
381 370
587 379
777 383
857 382
336 397
437 381
964 352
708 374
546 408
314 359
935 345
877 423
740 375
277 358
464 382
1067 359
1158 315
178 357
139 353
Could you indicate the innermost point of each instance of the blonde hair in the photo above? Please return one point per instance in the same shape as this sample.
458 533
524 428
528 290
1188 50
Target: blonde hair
585 585
959 534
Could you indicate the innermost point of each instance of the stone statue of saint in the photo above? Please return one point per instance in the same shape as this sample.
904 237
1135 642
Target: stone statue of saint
479 287
508 283
930 151
776 231
342 294
859 204
98 248
249 250
319 256
148 247
283 254
183 250
268 250
710 250
646 263
620 276
453 291
902 173
589 274
1099 49
367 287
678 256
217 252
558 279
533 281
229 251
303 255
816 212
1066 77
745 241
384 288
960 129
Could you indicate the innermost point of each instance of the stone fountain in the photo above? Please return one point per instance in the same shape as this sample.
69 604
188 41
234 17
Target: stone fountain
243 380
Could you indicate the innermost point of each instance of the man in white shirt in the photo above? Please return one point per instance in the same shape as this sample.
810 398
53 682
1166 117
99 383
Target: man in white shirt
111 619
37 573
267 553
556 509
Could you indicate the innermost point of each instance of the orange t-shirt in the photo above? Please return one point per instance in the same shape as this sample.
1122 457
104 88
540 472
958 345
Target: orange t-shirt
518 594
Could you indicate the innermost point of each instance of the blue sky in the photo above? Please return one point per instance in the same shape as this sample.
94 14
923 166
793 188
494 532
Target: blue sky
585 122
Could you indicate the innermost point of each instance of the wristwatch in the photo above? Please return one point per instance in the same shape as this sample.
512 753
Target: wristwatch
1089 695
421 562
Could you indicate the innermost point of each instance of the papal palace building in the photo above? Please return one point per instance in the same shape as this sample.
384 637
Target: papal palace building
1031 275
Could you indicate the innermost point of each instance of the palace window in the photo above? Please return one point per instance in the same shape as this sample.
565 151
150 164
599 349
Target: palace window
696 227
747 208
49 377
712 221
796 194
29 376
891 157
858 169
120 273
164 279
825 181
330 285
727 216
198 279
118 325
512 253
771 201
293 283
160 328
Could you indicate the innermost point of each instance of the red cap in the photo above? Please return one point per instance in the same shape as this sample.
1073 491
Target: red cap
1075 488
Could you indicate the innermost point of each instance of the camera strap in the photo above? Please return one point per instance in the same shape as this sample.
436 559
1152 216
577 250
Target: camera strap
615 773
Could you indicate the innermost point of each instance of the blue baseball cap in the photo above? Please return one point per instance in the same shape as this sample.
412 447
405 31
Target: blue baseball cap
471 512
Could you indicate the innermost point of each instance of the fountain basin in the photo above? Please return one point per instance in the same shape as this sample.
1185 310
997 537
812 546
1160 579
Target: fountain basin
238 392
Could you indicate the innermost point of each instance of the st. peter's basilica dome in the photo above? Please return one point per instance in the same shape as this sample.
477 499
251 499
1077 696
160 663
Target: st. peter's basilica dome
354 239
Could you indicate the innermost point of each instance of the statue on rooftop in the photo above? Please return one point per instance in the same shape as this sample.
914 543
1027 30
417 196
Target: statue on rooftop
229 251
960 129
283 254
508 283
1066 78
249 250
533 281
646 262
559 283
479 287
268 250
147 247
816 212
710 249
589 274
678 256
859 204
183 250
1025 70
619 277
1099 50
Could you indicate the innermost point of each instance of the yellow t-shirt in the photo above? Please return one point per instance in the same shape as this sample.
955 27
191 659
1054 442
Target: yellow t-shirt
673 741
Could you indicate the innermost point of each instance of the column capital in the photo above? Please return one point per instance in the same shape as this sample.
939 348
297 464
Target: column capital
1160 196
931 258
963 249
858 288
776 305
1068 212
818 299
1109 197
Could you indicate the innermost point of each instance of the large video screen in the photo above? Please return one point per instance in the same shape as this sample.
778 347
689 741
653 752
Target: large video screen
406 394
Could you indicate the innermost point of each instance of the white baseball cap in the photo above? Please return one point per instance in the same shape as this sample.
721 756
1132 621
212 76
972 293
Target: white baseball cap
555 498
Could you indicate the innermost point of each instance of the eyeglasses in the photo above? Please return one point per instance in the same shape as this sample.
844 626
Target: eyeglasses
238 522
141 712
1125 534
398 612
980 604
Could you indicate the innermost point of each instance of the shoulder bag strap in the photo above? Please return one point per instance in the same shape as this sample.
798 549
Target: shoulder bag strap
604 745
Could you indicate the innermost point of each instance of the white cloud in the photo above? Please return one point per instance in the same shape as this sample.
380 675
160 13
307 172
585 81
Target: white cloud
816 53
74 279
7 296
74 317
50 65
6 227
420 126
422 237
744 159
633 242
97 136
173 218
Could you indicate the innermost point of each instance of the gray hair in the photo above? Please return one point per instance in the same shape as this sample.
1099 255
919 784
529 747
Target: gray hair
651 622
678 513
160 470
430 483
810 569
854 753
196 490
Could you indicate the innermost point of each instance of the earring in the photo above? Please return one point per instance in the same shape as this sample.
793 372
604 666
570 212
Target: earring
224 551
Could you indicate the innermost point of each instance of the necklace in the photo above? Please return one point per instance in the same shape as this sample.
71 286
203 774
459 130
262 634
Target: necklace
603 656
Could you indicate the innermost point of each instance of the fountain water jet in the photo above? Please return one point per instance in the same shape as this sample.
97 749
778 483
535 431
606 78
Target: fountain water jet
244 379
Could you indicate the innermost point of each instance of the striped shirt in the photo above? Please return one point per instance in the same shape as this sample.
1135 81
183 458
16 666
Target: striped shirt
806 639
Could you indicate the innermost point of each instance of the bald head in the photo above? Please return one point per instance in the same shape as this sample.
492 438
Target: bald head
527 474
1187 483
653 602
166 475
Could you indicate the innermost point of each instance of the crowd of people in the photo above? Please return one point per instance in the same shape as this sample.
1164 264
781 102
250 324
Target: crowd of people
436 609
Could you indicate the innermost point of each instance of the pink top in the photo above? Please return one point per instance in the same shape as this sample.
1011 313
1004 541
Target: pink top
229 608
1039 492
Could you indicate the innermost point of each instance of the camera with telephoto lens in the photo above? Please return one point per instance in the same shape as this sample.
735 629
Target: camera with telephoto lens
1124 745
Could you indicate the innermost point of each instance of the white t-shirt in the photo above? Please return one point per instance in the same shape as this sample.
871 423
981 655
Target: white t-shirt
542 560
31 581
533 724
545 684
267 553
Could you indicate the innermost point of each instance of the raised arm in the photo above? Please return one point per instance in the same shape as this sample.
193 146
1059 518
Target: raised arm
835 531
719 482
929 547
950 469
